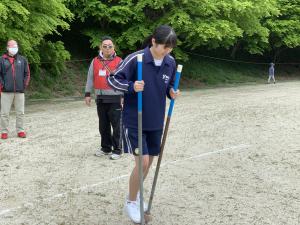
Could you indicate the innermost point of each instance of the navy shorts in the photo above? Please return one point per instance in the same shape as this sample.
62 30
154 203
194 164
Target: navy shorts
151 141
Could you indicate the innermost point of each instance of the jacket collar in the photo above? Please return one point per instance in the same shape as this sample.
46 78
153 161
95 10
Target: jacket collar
148 58
6 56
100 56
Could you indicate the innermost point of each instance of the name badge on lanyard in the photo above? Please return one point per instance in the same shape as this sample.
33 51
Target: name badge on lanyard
102 73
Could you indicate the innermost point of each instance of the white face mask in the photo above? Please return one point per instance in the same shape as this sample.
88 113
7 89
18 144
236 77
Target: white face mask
13 51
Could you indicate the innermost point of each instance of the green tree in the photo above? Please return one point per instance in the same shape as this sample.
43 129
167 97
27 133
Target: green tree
209 23
284 28
30 23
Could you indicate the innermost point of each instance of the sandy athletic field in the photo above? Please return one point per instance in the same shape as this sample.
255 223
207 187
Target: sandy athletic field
232 157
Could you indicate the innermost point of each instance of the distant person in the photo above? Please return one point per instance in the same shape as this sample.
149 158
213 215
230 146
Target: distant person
14 79
271 73
108 100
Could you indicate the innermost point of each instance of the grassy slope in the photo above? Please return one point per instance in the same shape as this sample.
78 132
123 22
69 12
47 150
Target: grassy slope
71 83
197 73
205 72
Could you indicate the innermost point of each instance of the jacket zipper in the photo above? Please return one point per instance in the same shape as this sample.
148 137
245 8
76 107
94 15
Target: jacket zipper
14 74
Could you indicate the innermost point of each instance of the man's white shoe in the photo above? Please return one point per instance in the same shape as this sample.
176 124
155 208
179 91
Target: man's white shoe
100 153
115 156
133 211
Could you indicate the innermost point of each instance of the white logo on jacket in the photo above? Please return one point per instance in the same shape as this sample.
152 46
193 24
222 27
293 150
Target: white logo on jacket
166 78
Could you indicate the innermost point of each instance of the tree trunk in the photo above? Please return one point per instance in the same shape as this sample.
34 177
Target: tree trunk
234 50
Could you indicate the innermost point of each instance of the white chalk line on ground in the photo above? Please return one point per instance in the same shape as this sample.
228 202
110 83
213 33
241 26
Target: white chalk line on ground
242 146
85 187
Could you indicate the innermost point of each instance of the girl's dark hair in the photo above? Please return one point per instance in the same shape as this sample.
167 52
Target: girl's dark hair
164 35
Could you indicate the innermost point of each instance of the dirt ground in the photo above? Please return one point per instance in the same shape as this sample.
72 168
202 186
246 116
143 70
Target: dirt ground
232 157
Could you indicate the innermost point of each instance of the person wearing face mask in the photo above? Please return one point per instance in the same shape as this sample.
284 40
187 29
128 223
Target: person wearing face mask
14 79
108 100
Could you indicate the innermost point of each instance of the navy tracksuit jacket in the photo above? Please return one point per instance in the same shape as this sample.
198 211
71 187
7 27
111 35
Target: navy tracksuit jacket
158 82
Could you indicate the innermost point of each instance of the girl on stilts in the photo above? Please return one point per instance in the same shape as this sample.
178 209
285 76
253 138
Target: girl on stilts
159 69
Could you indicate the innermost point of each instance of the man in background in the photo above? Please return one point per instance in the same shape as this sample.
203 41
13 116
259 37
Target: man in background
14 79
108 100
271 73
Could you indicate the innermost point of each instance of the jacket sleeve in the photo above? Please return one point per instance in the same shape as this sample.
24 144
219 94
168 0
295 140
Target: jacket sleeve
1 79
90 80
26 73
123 78
1 74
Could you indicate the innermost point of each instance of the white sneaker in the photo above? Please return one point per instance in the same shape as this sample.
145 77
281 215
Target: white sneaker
138 202
115 156
133 211
100 153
